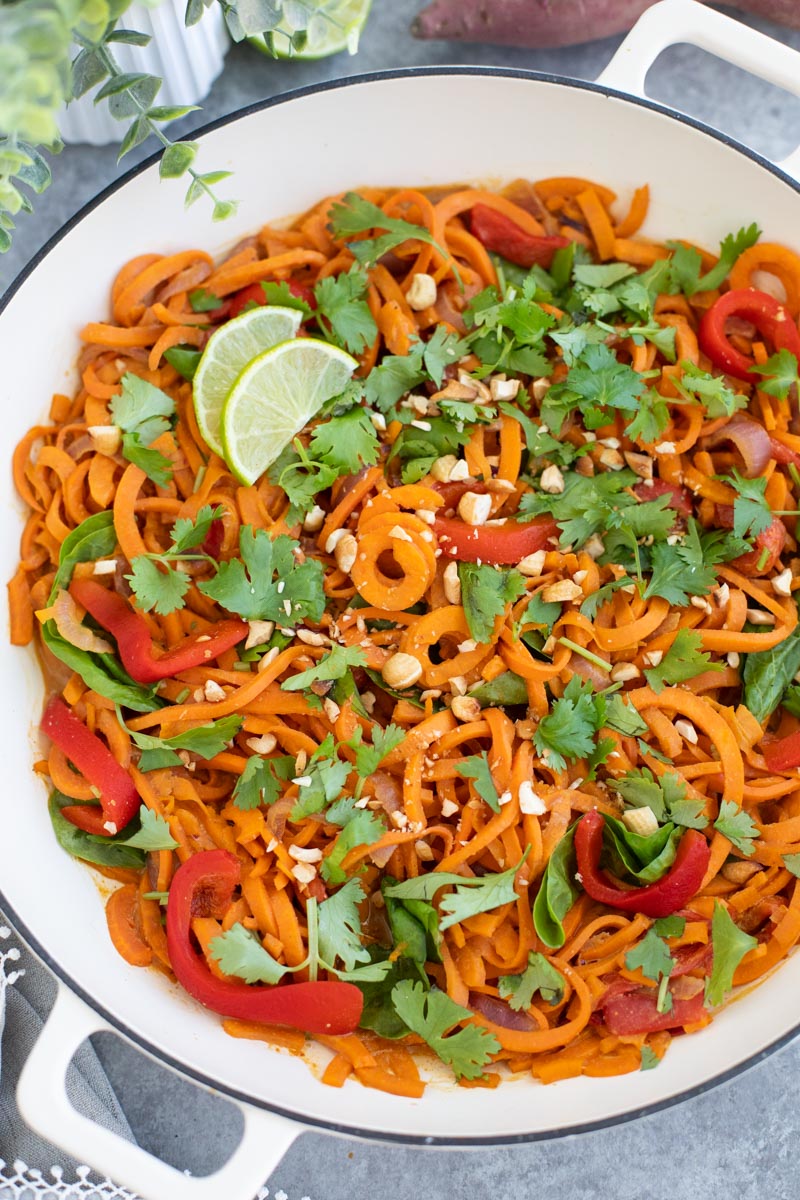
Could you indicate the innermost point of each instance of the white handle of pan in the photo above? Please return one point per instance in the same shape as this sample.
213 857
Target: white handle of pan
43 1103
672 22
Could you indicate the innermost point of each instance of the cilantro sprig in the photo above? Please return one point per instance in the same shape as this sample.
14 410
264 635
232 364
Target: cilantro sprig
353 214
143 412
432 1015
156 580
270 582
684 660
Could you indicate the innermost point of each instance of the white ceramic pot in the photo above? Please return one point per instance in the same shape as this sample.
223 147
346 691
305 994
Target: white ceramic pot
500 125
188 60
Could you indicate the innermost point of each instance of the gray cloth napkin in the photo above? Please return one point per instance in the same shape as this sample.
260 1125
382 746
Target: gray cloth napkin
26 996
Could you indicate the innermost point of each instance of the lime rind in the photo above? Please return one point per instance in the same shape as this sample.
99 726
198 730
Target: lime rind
274 397
229 350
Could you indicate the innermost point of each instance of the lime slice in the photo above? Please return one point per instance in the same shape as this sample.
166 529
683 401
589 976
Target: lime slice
274 397
227 353
334 28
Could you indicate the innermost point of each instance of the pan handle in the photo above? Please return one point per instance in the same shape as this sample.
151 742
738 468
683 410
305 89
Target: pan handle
671 22
43 1103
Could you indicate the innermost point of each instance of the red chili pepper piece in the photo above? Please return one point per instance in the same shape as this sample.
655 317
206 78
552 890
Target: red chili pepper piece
203 886
118 797
659 899
771 318
255 294
502 545
784 753
499 233
680 498
636 1012
756 561
133 636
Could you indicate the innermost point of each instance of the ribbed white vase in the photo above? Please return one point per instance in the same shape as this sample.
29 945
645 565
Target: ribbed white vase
188 61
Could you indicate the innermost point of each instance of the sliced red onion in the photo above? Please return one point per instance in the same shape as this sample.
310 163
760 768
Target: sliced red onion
752 442
589 670
499 1013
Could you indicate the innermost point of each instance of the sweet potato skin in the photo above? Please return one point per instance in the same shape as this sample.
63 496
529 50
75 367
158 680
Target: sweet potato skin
542 24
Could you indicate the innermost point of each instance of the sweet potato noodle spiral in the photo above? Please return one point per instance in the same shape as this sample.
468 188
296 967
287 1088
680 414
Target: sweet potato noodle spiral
698 729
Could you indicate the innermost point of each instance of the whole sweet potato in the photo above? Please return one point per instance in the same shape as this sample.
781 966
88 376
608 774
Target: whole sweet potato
543 23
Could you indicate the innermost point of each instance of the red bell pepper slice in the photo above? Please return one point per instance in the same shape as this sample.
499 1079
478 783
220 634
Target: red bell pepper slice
499 233
659 899
255 294
783 754
502 545
680 498
135 644
203 886
771 318
119 799
782 453
772 540
630 1013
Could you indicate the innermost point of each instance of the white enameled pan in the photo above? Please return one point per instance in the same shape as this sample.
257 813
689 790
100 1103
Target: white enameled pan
286 154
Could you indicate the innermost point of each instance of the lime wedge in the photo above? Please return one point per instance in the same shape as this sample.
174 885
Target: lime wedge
274 397
227 353
336 26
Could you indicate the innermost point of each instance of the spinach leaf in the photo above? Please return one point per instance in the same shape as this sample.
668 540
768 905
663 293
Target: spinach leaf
93 538
767 675
414 925
379 1012
101 672
643 858
104 852
557 893
507 688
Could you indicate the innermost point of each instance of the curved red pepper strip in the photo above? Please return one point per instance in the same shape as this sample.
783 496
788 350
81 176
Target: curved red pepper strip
118 797
499 233
133 635
784 753
771 318
502 545
659 899
637 1012
203 886
767 545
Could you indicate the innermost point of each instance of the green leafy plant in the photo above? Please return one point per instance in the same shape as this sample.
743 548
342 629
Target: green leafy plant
55 51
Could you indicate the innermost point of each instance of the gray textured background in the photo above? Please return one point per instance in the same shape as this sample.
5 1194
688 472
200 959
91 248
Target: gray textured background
738 1140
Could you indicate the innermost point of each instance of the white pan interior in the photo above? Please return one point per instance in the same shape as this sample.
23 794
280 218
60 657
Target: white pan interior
414 130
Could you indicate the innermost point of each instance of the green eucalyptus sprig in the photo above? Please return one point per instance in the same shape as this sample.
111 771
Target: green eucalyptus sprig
38 74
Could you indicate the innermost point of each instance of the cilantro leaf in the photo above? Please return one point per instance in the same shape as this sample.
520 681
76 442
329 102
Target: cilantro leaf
687 568
539 976
623 716
205 741
326 777
751 512
395 375
588 504
686 262
332 665
730 945
368 758
155 465
568 729
340 927
360 827
651 420
780 371
347 442
239 952
476 768
431 1014
260 782
282 295
595 600
711 390
204 301
664 795
188 533
157 586
652 956
684 660
472 895
737 826
442 350
649 1059
792 863
485 593
341 303
153 834
246 585
353 214
597 383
